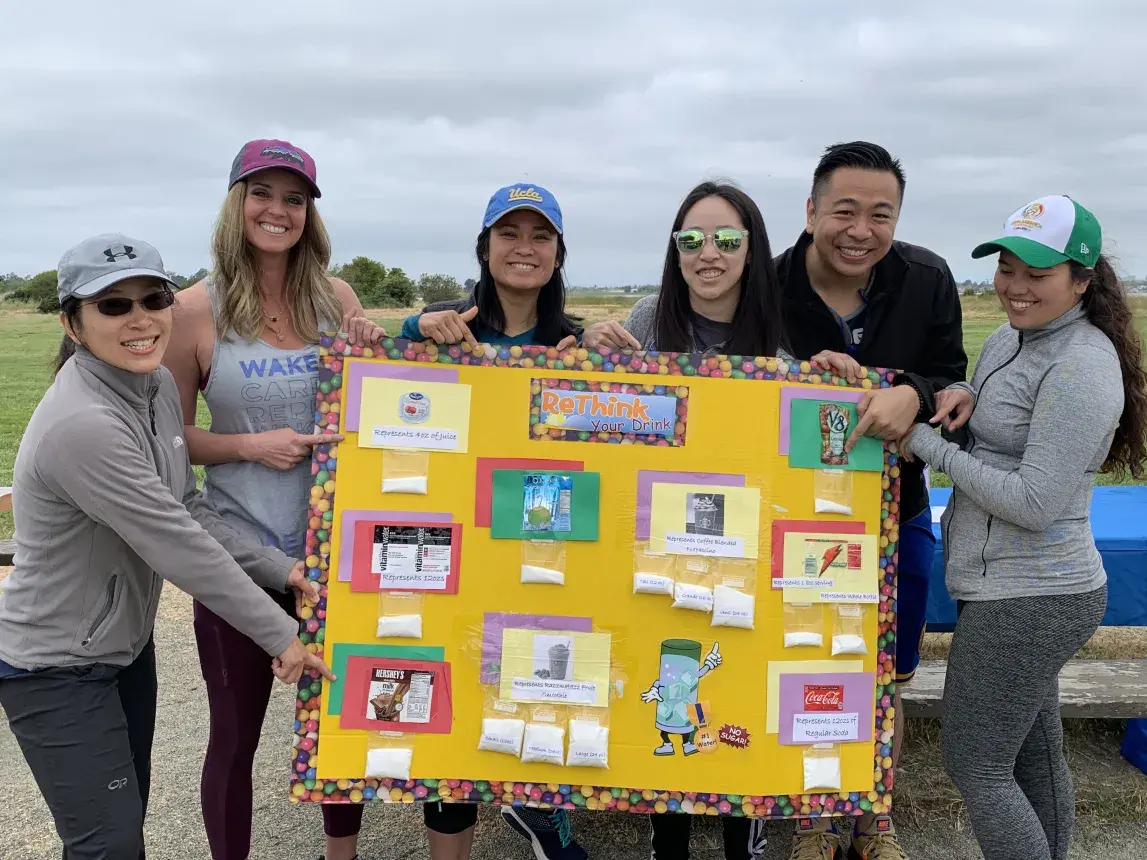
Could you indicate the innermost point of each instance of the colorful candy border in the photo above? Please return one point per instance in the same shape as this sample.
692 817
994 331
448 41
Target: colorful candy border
305 788
539 432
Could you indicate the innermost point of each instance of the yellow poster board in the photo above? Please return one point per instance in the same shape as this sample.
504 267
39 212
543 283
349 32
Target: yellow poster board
681 664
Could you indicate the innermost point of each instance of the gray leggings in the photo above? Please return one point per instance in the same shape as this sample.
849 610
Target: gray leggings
1002 739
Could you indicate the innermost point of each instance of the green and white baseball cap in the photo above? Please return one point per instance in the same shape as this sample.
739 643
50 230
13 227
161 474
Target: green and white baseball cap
1047 232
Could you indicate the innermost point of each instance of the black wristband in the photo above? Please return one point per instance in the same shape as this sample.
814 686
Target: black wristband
903 379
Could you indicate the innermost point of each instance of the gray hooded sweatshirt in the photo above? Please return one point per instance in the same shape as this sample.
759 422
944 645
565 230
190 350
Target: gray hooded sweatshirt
106 509
1048 401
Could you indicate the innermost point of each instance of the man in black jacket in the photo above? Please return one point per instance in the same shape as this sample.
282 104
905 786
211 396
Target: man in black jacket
855 297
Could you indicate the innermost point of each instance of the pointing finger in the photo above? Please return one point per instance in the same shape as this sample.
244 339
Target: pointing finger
625 337
319 438
314 662
861 428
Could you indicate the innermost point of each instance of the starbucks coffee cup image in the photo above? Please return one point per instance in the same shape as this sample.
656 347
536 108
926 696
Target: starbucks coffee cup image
414 407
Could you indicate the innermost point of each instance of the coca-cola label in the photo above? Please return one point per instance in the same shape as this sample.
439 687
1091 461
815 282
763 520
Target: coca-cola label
824 697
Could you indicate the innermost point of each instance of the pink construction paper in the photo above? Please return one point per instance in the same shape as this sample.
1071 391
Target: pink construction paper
493 623
350 518
357 371
804 392
859 697
646 478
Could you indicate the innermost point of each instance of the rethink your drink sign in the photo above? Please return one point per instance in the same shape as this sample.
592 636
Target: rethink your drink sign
608 412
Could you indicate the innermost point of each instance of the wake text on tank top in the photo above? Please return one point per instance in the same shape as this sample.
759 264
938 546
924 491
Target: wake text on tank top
252 388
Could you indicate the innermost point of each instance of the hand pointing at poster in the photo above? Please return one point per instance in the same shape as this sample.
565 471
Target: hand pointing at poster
713 659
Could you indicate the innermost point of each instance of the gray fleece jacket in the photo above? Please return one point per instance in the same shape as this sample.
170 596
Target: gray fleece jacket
642 324
1048 401
106 509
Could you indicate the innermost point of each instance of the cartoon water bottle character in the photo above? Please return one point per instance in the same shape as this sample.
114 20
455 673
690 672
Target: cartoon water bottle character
676 689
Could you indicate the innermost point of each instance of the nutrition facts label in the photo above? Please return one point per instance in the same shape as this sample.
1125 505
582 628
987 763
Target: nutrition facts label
417 705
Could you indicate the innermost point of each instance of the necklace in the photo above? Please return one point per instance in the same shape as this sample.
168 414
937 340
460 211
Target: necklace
271 319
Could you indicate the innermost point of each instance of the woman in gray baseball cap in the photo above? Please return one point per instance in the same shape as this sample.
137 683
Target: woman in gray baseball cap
106 509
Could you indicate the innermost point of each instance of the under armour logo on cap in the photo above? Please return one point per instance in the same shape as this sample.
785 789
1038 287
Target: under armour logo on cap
116 251
99 262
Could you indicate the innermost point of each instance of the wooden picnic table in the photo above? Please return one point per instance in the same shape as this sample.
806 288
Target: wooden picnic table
1088 689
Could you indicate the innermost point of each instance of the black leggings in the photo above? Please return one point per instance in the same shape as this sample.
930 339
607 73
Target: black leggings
86 733
1001 736
744 837
449 818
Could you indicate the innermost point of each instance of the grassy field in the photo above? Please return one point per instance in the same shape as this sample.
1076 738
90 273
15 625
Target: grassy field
28 343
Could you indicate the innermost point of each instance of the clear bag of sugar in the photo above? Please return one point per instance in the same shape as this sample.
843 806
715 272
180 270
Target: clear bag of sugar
589 744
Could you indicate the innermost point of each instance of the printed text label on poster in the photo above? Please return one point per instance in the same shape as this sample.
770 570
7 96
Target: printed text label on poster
822 727
393 436
537 690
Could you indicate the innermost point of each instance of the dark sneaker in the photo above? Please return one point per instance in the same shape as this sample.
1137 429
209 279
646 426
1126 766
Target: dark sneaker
547 830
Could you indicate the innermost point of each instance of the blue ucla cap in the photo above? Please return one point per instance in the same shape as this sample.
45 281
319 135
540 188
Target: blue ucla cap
522 196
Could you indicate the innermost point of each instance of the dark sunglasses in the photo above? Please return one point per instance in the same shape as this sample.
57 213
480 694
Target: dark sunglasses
117 306
725 239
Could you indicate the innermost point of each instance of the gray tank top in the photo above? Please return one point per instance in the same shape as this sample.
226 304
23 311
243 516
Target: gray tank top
252 388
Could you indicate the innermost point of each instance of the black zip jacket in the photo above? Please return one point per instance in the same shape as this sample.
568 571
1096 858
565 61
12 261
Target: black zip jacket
913 325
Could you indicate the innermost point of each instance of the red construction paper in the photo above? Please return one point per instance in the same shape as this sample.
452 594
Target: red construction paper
361 578
483 489
358 672
783 527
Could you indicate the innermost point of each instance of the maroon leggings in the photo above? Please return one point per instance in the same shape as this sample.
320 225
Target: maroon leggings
239 678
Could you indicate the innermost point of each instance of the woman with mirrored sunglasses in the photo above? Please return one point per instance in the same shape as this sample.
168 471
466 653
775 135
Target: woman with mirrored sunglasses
719 288
719 295
106 509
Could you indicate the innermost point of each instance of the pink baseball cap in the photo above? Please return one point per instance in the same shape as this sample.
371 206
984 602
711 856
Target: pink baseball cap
257 155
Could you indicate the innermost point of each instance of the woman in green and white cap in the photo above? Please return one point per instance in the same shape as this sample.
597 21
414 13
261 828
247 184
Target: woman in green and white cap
1059 394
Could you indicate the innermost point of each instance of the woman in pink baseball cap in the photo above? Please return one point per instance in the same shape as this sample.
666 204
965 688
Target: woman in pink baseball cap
247 339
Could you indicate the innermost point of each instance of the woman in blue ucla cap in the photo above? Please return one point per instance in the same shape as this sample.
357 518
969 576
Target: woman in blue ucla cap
520 296
519 300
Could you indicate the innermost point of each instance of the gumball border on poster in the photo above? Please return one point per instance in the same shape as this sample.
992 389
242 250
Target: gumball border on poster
306 788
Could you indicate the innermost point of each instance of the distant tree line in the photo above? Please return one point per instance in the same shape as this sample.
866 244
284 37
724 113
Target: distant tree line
379 287
375 285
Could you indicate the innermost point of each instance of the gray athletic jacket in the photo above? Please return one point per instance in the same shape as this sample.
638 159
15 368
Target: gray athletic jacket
642 324
106 509
1048 402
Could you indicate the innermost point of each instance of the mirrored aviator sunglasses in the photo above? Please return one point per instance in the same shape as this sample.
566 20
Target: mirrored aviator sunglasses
725 239
117 306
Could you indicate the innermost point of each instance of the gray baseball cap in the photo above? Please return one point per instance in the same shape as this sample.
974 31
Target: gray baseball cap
101 261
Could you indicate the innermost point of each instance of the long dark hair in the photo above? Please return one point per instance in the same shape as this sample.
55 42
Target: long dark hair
70 308
757 325
1105 301
554 323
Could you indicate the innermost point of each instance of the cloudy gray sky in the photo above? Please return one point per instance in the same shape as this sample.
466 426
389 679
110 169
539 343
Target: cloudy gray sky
126 117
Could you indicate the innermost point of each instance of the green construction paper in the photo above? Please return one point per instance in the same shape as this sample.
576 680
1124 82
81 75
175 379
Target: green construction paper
508 495
805 440
345 650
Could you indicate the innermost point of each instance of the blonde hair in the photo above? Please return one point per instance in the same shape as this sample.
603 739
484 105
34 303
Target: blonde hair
308 293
